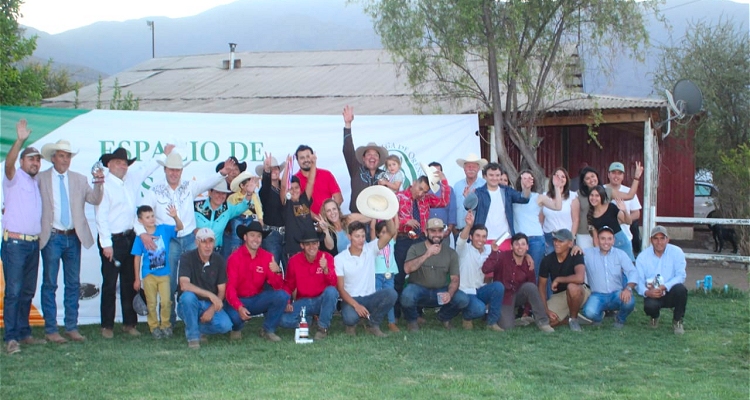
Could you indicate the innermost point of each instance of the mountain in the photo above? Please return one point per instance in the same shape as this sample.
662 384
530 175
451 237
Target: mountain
292 25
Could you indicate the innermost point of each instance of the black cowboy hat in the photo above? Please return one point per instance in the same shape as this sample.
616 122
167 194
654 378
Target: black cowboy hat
254 226
241 165
118 154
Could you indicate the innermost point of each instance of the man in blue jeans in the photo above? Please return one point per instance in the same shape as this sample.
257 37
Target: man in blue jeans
203 282
429 265
20 248
605 266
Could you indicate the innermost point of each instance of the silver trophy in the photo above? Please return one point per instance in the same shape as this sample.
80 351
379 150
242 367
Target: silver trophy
97 169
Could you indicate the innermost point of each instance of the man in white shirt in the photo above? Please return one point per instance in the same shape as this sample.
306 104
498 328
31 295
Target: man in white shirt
181 194
355 268
495 205
632 206
115 216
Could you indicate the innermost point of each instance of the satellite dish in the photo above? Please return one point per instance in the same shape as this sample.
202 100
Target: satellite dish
685 99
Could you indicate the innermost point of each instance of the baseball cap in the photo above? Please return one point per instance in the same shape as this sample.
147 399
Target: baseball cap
435 223
616 166
606 228
562 234
659 229
205 234
30 152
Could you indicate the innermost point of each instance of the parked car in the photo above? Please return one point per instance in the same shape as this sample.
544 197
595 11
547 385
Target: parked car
705 195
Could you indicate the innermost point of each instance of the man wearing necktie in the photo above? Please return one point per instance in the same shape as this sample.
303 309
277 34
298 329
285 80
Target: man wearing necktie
64 228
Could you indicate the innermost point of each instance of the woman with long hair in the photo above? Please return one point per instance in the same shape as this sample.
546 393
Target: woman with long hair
554 220
334 226
603 213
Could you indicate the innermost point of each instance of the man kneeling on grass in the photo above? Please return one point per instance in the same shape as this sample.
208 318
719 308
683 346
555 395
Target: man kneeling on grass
203 281
355 268
249 268
567 273
605 266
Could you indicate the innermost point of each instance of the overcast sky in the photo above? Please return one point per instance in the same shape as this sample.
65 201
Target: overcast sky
55 16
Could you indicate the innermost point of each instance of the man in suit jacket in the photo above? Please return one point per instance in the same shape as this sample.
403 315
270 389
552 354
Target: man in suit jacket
64 229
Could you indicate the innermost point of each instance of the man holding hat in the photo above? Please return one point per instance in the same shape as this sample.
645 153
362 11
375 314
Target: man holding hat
363 163
215 212
243 192
567 273
64 228
20 248
667 262
180 193
633 206
249 268
606 266
269 194
115 217
311 283
429 265
471 166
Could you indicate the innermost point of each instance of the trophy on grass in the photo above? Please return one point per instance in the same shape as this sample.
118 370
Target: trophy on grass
302 333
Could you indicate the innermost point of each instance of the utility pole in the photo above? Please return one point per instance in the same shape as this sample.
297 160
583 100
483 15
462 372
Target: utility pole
151 25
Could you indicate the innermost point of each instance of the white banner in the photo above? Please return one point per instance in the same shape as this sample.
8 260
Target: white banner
207 139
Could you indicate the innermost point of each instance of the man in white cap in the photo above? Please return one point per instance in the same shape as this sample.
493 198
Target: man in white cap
215 212
667 263
114 223
64 228
471 166
203 284
20 250
633 206
181 194
363 163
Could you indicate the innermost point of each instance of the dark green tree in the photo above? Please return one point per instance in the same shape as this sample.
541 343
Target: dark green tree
18 86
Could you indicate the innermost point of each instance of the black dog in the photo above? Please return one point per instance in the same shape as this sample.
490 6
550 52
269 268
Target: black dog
720 234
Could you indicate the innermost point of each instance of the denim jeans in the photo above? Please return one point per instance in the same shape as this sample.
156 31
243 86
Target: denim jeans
536 251
232 242
270 303
623 243
68 249
492 294
415 295
382 283
20 270
377 304
549 246
274 244
191 308
600 302
177 247
323 306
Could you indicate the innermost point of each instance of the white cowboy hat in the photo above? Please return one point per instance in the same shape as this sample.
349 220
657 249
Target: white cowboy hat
235 185
174 161
274 163
361 150
432 177
50 148
377 202
472 158
221 187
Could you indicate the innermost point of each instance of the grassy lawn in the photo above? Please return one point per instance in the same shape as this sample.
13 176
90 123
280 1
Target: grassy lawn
711 361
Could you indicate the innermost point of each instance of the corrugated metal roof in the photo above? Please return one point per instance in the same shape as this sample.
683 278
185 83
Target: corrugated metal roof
312 82
583 101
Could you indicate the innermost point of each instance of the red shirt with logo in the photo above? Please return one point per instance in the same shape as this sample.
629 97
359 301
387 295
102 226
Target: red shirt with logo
308 277
247 274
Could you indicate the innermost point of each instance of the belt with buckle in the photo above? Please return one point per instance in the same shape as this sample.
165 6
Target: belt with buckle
19 236
62 232
279 229
126 233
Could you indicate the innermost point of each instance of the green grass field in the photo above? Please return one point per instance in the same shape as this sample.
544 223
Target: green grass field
711 361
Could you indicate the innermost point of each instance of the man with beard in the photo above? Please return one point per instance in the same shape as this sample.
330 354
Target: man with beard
325 186
363 164
429 265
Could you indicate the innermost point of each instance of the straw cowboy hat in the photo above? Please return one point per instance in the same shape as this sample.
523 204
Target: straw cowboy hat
378 202
472 158
361 150
432 176
174 161
235 185
118 154
274 163
221 187
50 148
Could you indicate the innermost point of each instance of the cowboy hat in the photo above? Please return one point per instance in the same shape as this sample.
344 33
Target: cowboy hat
471 201
472 158
241 165
309 236
254 226
50 148
361 150
221 187
378 202
118 154
432 177
274 163
235 185
174 161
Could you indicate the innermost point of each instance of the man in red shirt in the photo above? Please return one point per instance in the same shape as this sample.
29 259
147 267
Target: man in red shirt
325 186
511 268
248 269
311 281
